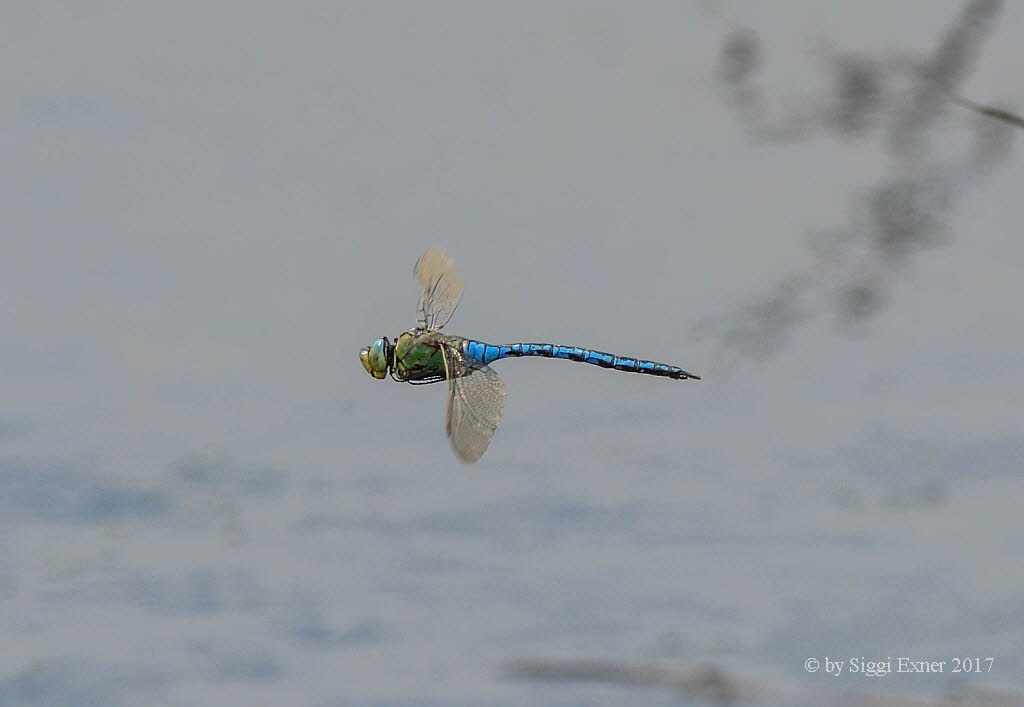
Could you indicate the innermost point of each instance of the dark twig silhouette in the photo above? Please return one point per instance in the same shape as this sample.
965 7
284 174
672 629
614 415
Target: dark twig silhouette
990 111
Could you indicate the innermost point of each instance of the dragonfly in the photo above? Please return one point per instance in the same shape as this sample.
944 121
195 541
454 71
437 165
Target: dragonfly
476 394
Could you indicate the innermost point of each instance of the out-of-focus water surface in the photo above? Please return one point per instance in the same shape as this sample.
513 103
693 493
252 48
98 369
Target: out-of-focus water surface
209 209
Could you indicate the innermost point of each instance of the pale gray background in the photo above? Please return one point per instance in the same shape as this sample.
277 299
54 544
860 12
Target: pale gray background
208 208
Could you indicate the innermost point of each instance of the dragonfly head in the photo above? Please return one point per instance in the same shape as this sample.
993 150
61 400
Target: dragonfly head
375 357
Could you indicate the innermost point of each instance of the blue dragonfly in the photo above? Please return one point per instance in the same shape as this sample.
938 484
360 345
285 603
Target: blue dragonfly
476 394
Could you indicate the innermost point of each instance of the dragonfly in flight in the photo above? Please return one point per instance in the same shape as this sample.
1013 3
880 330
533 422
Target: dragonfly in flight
476 394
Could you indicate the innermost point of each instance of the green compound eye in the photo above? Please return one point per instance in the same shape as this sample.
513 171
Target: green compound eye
375 358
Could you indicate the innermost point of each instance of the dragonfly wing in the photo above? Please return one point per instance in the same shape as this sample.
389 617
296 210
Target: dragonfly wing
476 400
440 286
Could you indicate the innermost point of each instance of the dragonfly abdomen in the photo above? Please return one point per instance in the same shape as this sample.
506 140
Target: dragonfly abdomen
486 353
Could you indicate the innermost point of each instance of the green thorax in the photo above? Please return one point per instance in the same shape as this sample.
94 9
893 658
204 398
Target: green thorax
418 357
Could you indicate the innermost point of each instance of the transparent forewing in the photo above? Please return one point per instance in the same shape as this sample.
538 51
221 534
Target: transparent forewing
440 289
476 400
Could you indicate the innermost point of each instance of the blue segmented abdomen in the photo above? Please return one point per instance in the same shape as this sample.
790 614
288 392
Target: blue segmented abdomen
487 353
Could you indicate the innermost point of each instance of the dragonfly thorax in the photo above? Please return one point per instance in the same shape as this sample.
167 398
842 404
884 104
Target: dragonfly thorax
417 358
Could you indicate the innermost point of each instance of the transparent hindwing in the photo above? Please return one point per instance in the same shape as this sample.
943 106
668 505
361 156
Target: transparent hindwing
440 286
476 400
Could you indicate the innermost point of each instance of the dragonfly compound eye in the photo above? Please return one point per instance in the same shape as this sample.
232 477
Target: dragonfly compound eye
374 358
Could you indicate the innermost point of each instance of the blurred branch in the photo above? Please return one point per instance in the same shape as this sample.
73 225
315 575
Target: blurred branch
853 265
948 66
717 686
990 111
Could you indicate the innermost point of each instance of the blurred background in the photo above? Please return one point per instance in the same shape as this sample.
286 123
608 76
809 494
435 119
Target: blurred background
210 208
